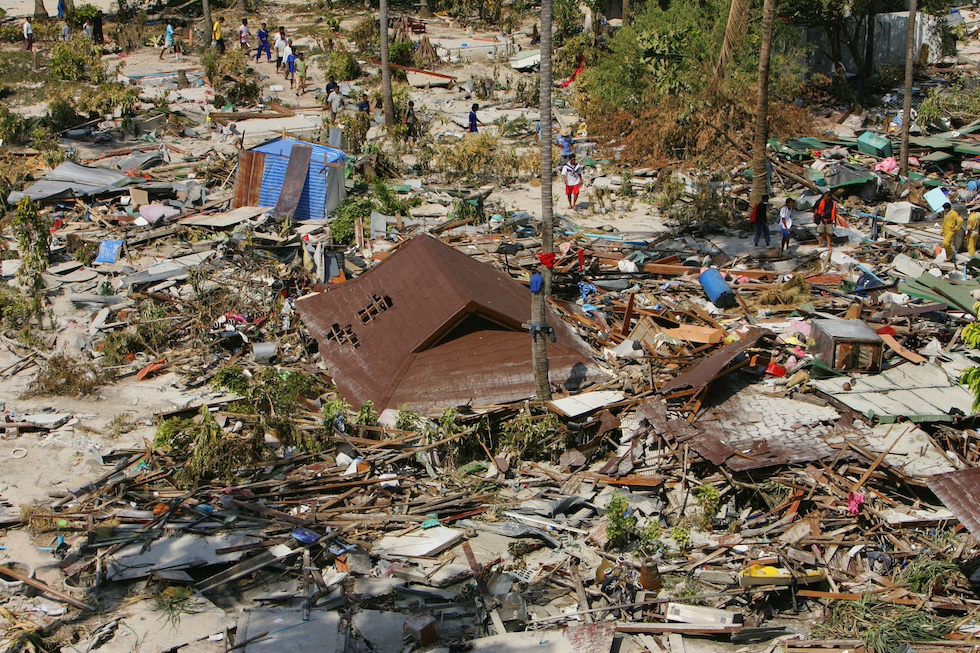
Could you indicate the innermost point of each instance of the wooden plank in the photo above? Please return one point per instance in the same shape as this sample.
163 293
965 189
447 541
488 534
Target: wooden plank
701 629
292 186
41 587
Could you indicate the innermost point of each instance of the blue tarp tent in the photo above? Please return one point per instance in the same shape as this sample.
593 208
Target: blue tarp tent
262 173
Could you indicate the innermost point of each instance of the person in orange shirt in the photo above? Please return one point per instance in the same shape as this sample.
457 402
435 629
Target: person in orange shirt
825 217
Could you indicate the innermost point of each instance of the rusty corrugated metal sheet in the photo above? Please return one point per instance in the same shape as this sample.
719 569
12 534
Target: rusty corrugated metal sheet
709 368
248 180
960 492
448 330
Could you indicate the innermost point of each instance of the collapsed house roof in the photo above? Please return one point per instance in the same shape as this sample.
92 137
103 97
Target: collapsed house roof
70 180
431 327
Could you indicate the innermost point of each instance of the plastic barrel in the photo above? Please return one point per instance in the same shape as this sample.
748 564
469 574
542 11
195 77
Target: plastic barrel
717 289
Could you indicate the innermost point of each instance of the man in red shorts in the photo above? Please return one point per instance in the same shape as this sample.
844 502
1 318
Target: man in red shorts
572 172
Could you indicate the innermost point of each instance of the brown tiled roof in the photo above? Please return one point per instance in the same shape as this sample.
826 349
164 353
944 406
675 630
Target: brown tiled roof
397 355
960 492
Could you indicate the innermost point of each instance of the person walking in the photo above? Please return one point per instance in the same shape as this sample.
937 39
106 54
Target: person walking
263 37
572 172
565 142
216 38
66 32
301 67
280 47
951 224
825 217
28 34
289 63
786 223
87 29
243 36
760 218
473 119
973 232
412 124
335 103
168 39
97 28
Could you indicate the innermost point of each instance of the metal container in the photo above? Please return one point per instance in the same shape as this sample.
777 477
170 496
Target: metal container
847 345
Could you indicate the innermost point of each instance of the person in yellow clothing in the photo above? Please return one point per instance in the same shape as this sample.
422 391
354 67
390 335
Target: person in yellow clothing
973 232
951 224
216 40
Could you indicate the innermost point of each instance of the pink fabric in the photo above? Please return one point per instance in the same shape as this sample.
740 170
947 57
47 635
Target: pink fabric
854 502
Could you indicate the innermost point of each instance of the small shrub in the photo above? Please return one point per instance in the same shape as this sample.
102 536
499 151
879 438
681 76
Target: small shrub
709 499
81 14
366 415
406 420
402 54
106 98
682 538
65 376
356 126
230 378
13 127
335 413
346 216
365 33
77 60
342 66
621 525
118 346
31 229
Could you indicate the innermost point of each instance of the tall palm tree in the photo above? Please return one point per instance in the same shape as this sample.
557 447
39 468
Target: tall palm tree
907 105
738 13
208 23
389 106
40 13
539 300
242 8
762 106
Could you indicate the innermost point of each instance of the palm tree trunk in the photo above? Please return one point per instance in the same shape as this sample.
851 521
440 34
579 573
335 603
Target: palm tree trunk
40 13
759 167
208 23
539 300
626 11
242 8
389 106
907 104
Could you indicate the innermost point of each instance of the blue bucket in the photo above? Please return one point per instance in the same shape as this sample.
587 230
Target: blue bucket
717 289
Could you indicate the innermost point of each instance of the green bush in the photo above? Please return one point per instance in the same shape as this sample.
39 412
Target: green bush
342 66
106 98
81 14
365 33
352 208
43 31
402 54
77 60
13 127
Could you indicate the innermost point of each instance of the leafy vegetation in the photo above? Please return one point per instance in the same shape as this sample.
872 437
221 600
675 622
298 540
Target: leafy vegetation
882 627
345 218
65 376
340 65
81 14
77 59
621 524
31 230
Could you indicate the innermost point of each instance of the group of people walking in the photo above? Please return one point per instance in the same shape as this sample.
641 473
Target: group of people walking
824 217
90 29
291 63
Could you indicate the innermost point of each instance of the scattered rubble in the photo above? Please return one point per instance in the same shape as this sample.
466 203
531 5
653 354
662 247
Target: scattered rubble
265 389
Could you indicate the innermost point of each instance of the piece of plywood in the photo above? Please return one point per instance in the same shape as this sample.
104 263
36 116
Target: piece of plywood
224 219
419 544
292 188
585 403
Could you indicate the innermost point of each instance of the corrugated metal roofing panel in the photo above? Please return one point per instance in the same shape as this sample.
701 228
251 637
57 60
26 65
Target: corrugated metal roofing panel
920 393
960 492
313 201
